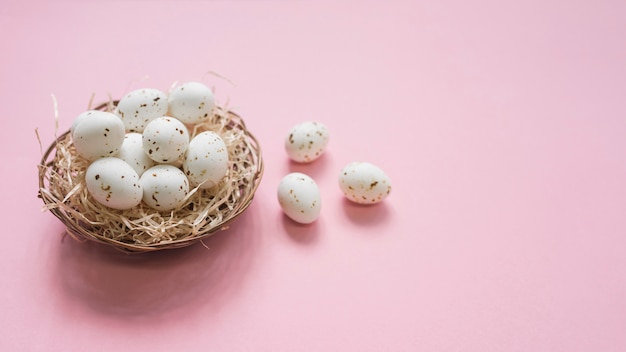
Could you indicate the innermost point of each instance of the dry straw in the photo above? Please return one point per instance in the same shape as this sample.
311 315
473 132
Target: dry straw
142 229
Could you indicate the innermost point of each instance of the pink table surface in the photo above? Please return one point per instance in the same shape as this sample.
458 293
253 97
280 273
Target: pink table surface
502 125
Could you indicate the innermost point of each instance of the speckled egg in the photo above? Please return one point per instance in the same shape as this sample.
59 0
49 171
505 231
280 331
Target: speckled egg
299 197
97 134
164 187
137 108
113 183
132 153
192 102
364 183
206 160
165 139
80 118
306 141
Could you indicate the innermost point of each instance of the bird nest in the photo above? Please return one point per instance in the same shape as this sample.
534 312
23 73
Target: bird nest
141 229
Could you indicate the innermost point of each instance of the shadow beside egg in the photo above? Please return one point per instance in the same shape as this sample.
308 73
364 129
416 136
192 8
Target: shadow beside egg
305 234
367 214
314 169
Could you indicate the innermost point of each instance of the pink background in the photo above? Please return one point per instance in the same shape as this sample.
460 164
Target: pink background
501 124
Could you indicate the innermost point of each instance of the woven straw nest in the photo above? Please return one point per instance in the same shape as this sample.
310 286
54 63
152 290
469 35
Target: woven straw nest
142 229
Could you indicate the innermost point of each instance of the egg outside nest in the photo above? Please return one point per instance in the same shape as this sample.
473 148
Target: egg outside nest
143 229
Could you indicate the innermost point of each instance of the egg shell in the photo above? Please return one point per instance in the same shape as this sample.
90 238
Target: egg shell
114 183
80 118
137 108
306 141
164 187
299 197
364 183
132 153
165 139
98 134
206 160
192 103
177 163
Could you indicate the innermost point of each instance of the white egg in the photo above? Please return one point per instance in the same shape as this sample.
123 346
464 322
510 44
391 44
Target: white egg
132 153
137 108
98 134
306 141
299 197
192 102
165 139
114 183
80 118
164 187
364 183
206 160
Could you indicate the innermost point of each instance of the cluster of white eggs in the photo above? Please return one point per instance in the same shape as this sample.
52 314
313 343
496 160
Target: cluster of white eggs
142 150
298 194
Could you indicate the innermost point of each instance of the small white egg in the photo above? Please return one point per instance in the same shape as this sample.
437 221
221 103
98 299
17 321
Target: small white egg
206 160
137 108
306 141
80 118
164 187
192 103
98 134
113 183
165 139
132 153
299 197
364 183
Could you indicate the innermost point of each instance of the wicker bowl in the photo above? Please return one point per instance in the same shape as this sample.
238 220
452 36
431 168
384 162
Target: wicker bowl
142 229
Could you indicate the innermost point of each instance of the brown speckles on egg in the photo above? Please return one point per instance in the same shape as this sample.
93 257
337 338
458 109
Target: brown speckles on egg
306 141
299 197
165 191
112 181
206 160
364 183
191 102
